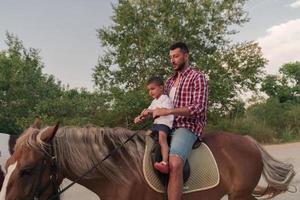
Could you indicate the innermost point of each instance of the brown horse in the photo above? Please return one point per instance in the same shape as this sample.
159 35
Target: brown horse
32 171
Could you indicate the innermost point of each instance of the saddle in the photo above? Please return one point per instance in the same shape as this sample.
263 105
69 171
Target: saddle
200 172
157 157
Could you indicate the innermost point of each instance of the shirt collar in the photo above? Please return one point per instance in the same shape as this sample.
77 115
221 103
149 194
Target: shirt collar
183 74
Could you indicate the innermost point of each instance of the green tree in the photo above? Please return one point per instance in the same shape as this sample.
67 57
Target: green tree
22 84
137 47
73 107
286 85
26 92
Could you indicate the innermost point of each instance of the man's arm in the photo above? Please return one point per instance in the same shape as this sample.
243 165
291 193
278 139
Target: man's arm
184 111
200 95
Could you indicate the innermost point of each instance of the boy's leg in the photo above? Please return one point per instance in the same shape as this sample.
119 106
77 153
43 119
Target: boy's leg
162 139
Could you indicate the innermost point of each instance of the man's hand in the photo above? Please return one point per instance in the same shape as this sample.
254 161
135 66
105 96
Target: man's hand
160 112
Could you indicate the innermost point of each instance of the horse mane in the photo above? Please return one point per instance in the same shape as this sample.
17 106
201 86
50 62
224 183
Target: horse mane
30 138
79 149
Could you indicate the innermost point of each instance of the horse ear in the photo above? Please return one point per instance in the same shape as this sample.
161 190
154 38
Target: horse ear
48 134
37 123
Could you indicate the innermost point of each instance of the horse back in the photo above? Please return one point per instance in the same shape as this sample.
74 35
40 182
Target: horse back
238 159
232 147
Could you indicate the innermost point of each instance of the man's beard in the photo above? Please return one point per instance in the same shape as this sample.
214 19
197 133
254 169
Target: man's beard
181 67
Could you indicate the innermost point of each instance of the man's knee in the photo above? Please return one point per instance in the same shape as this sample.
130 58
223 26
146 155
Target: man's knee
175 163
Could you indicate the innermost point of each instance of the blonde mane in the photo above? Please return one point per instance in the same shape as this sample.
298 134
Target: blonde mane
79 149
31 138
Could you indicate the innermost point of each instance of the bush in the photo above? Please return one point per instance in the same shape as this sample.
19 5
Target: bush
247 125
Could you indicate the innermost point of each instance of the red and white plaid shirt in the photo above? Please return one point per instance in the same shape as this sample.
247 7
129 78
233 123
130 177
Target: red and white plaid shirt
191 92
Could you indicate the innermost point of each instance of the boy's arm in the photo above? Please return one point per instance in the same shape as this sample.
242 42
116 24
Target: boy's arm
142 116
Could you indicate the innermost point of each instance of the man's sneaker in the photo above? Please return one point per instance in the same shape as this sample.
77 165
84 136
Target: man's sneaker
162 166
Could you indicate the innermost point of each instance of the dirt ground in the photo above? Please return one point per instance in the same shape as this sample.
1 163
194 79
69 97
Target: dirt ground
284 152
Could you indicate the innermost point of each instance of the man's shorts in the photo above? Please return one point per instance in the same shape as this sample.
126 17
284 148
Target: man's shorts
182 143
161 127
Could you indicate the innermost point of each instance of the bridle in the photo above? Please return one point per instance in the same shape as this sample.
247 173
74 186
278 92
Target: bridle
53 178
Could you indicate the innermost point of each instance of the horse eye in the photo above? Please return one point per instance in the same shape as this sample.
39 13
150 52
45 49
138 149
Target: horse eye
26 172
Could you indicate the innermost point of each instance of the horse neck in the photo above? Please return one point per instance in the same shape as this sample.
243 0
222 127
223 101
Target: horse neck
79 149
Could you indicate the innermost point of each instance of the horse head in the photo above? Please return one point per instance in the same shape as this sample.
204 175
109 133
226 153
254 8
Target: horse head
31 170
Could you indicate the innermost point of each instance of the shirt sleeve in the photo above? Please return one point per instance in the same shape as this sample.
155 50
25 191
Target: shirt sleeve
152 105
166 102
200 94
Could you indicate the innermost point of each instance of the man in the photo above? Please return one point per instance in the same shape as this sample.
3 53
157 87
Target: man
188 90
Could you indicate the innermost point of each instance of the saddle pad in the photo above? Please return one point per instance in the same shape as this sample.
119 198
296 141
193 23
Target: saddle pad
203 167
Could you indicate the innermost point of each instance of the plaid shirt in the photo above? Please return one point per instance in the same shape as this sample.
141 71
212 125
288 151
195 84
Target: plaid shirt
191 92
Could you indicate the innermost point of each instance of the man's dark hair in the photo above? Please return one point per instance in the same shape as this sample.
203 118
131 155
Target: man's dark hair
181 45
156 80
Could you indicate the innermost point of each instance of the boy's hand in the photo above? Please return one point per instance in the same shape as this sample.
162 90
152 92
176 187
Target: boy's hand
145 113
138 119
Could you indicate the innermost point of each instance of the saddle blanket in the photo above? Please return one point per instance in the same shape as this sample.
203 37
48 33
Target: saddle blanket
204 173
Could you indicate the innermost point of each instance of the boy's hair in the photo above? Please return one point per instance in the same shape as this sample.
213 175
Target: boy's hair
156 80
181 45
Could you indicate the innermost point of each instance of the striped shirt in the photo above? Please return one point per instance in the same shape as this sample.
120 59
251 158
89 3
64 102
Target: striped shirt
191 92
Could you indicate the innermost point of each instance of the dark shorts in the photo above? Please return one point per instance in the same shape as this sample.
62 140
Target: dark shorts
161 127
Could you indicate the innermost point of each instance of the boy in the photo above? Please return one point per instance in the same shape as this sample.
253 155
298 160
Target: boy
163 124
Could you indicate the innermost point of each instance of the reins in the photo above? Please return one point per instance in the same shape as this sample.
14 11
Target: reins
96 165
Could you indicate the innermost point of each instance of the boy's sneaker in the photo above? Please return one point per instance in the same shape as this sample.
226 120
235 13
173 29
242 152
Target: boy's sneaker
162 166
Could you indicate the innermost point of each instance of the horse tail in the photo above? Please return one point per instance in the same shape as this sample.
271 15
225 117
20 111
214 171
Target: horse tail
277 174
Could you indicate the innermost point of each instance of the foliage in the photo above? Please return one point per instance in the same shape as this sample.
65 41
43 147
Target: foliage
126 105
283 118
25 92
22 84
246 125
281 111
286 85
137 47
277 119
267 122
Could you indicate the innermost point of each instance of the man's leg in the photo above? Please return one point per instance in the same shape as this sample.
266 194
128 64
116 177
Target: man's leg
175 177
180 148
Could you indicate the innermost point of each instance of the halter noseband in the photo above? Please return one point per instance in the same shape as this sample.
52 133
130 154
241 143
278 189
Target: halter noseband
53 178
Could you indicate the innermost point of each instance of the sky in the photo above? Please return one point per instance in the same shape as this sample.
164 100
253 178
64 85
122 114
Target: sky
65 33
